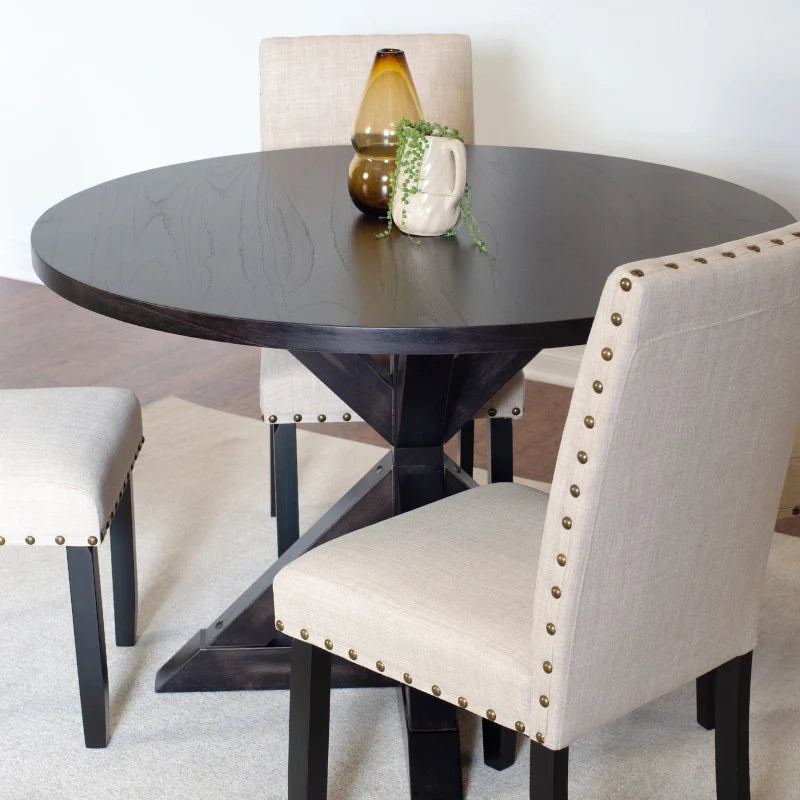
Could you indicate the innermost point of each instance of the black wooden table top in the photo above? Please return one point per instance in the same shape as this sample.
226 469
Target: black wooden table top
267 249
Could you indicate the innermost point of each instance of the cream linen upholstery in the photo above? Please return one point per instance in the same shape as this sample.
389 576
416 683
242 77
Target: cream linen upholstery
65 454
685 405
311 87
288 388
65 461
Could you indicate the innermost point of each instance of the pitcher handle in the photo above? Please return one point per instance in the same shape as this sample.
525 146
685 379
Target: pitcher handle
456 147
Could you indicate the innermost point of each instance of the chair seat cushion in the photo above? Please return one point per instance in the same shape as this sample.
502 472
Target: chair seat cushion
418 592
65 455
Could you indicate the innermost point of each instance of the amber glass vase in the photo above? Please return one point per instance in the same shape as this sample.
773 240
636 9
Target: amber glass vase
389 96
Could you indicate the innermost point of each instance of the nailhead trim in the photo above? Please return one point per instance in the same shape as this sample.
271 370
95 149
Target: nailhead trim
607 354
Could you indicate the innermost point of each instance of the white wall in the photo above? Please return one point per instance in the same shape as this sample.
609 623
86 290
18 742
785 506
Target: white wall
93 89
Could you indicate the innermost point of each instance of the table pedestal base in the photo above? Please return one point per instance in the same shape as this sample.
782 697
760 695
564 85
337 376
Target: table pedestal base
417 406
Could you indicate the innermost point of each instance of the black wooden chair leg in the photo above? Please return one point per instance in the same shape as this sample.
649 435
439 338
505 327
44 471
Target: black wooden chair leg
732 730
123 570
499 745
285 472
90 643
466 447
705 700
309 722
549 772
272 511
434 750
500 451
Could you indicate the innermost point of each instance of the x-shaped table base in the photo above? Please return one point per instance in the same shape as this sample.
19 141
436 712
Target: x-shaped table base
417 406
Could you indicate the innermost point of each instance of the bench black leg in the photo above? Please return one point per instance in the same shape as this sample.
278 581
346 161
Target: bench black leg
549 772
466 447
499 745
705 700
123 569
500 451
272 511
732 730
285 475
90 643
309 722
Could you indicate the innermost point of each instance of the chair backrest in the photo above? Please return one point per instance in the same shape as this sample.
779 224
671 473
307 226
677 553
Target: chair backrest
311 86
668 476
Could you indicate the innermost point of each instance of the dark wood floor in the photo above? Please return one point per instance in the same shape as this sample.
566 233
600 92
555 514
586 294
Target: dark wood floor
47 341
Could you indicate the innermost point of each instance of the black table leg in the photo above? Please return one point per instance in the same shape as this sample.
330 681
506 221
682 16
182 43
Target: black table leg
422 403
421 387
242 649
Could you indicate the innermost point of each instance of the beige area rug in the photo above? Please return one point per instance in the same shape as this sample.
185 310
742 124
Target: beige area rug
203 535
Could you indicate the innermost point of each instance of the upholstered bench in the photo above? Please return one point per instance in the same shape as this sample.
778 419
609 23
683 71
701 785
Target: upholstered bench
65 461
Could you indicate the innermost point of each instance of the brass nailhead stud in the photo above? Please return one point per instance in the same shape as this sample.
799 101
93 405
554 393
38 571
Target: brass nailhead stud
582 456
562 560
701 261
279 625
637 273
490 715
625 284
406 677
329 644
492 412
29 540
796 233
520 726
566 523
60 540
436 691
304 633
606 354
598 387
544 701
380 666
547 667
273 419
515 412
353 655
671 265
776 241
551 629
540 738
297 417
729 254
462 701
574 490
754 247
556 592
321 418
346 416
588 421
92 540
2 541
616 319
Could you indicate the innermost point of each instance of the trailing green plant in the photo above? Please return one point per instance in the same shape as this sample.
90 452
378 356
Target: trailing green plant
411 147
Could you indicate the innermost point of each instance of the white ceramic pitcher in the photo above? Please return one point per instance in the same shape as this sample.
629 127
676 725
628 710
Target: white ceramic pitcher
434 209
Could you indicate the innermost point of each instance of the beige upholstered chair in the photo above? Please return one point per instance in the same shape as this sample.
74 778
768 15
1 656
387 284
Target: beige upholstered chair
311 88
65 461
626 581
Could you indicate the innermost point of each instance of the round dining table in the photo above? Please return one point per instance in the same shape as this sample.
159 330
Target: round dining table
267 249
